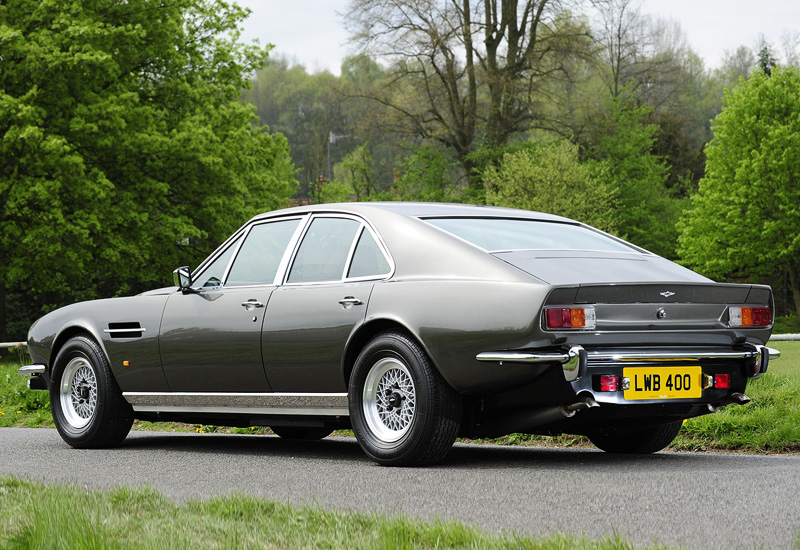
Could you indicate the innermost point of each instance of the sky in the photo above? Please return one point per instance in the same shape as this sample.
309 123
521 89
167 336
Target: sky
310 32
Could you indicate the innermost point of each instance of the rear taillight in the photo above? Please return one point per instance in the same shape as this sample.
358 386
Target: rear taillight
749 316
609 383
570 317
722 381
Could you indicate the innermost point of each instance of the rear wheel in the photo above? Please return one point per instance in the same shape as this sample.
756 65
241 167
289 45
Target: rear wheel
306 434
645 441
88 408
402 411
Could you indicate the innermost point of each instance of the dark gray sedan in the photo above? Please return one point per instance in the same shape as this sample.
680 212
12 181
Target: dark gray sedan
413 324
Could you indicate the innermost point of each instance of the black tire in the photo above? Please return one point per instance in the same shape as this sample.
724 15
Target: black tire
88 408
402 411
301 434
646 441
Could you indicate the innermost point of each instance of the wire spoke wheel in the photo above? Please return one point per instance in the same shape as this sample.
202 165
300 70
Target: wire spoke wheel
78 392
389 399
89 410
402 411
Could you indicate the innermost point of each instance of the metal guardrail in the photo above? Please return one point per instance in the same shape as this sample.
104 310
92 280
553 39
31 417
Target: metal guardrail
12 344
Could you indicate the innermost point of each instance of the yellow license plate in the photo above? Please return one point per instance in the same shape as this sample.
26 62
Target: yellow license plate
663 382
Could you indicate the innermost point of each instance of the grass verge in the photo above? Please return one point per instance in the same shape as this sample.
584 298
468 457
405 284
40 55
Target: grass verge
57 516
771 423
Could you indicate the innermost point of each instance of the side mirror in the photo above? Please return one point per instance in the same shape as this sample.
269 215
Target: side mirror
182 277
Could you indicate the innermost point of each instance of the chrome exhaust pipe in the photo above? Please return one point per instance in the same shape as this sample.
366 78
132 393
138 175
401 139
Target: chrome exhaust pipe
733 399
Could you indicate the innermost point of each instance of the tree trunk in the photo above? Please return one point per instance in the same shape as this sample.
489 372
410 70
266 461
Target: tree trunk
3 317
794 282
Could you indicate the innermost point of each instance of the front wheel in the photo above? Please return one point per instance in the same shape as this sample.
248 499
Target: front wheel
402 411
88 408
645 441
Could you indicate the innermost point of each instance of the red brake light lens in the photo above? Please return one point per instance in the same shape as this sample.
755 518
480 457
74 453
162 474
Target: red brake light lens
749 316
609 383
722 381
570 317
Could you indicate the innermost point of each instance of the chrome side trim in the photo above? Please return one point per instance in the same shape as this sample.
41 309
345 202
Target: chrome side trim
522 357
573 361
320 404
119 330
32 370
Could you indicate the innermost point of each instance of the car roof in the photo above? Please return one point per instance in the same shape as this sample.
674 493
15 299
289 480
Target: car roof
422 210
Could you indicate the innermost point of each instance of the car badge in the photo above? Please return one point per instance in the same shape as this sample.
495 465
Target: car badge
667 294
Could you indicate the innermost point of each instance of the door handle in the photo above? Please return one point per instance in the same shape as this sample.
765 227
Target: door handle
252 303
349 301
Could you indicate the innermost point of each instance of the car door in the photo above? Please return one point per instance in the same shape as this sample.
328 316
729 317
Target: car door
323 299
211 338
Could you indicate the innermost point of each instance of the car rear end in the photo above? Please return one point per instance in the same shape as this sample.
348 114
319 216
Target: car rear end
638 354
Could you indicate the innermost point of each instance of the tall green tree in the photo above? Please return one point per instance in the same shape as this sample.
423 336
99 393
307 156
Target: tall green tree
624 142
745 218
124 147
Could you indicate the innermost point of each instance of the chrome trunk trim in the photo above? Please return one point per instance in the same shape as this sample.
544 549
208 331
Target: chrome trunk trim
320 404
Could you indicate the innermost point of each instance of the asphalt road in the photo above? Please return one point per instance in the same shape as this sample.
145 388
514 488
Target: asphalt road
694 500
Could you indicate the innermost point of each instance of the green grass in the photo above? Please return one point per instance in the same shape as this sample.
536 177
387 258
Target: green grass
770 423
787 324
65 517
19 406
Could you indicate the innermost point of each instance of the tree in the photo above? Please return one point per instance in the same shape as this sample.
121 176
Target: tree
355 170
457 68
744 220
124 148
550 178
641 54
426 175
624 142
305 109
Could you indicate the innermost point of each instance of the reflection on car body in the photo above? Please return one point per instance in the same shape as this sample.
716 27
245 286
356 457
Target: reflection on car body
412 324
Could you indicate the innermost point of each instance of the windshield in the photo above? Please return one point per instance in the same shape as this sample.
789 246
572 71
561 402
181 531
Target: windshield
501 234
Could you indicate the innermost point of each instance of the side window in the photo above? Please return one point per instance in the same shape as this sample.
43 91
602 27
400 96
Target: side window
261 253
323 253
213 274
368 259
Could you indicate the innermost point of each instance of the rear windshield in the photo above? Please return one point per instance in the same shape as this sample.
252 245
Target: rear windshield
499 234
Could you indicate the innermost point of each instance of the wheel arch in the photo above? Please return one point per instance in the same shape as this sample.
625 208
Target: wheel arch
368 331
67 334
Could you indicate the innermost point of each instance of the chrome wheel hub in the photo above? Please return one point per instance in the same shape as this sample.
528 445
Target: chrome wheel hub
389 399
78 392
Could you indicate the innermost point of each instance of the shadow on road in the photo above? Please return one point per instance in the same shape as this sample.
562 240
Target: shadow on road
463 456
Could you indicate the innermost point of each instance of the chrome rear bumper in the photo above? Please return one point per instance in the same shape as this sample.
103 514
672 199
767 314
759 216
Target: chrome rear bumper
575 360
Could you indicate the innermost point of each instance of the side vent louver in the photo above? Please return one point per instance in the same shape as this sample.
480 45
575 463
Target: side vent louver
125 330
